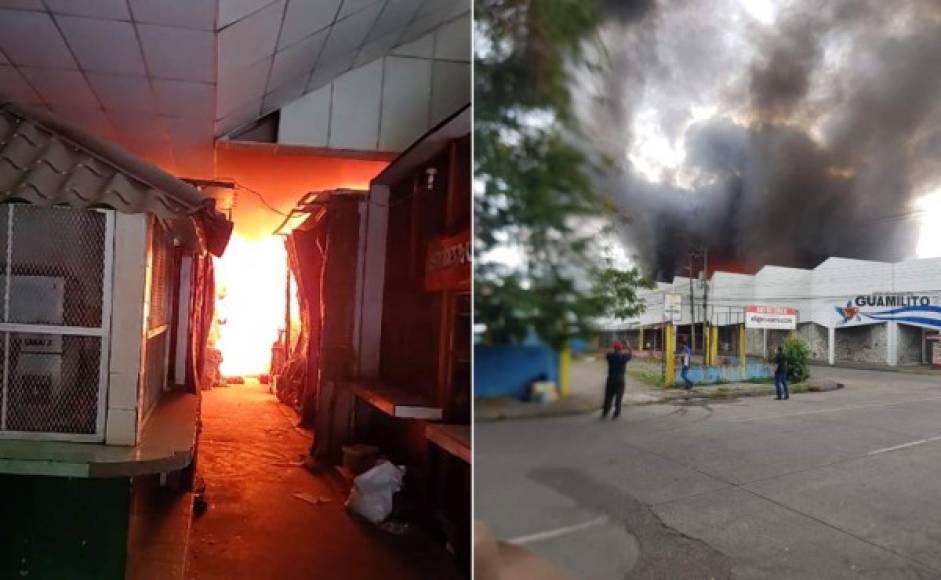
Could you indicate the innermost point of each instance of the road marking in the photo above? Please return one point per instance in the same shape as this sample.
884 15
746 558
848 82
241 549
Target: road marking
904 445
558 531
833 410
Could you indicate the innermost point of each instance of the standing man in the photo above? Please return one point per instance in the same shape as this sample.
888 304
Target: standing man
780 376
614 387
686 356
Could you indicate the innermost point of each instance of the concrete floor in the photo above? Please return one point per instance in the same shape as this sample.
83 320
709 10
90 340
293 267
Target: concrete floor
256 528
842 484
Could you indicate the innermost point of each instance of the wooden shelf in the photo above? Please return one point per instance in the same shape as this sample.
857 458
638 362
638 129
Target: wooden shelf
455 439
396 401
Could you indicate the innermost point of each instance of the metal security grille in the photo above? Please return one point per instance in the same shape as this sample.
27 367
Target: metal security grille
55 276
158 317
159 277
154 370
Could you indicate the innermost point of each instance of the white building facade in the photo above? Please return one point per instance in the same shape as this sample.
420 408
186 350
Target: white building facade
848 311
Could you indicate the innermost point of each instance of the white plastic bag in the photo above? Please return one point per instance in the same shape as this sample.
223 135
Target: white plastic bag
372 492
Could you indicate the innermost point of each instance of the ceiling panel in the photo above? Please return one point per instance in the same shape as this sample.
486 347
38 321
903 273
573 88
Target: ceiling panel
197 14
376 49
24 4
423 47
352 6
13 86
187 132
394 18
244 85
327 71
306 16
93 120
452 41
178 53
231 11
296 60
285 93
444 10
62 87
239 117
348 34
124 93
185 71
31 38
103 45
185 99
112 9
251 39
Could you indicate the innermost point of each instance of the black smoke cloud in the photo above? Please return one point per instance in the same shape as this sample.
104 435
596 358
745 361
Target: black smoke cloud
824 128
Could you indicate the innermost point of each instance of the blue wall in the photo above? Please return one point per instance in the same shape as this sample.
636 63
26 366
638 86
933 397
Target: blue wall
580 345
507 371
731 373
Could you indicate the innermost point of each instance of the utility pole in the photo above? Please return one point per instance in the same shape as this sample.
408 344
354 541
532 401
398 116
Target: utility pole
707 337
692 307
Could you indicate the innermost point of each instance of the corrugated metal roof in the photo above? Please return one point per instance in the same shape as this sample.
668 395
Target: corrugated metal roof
47 161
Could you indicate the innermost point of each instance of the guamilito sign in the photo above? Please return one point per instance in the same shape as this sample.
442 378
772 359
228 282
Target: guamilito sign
915 309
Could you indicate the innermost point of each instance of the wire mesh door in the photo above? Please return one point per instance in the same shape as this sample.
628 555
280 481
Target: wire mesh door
55 275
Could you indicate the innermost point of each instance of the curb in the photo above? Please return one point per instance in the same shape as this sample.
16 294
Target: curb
580 405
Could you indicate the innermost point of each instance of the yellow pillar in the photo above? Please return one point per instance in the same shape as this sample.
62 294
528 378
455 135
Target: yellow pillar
640 339
565 375
669 346
714 345
742 351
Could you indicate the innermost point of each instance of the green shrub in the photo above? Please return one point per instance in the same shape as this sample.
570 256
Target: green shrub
797 354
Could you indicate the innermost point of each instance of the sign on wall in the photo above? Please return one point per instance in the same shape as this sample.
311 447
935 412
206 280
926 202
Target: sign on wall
673 306
448 263
770 317
914 309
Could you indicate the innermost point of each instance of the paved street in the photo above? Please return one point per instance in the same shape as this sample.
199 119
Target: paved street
842 484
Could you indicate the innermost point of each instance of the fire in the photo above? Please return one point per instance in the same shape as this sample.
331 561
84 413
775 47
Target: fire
250 280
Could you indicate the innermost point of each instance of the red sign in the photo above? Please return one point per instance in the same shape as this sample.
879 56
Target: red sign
448 264
778 310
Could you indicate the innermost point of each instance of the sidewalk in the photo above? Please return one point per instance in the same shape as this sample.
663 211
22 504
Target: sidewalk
587 394
912 370
249 456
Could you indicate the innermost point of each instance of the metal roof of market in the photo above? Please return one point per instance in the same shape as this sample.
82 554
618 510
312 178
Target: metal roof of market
47 161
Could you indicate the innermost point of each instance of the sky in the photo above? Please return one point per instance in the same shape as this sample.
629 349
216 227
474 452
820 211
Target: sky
773 131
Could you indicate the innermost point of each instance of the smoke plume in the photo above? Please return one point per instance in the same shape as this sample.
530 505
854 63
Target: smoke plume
769 136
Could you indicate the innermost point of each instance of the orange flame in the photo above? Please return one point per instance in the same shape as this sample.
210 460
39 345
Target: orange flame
250 278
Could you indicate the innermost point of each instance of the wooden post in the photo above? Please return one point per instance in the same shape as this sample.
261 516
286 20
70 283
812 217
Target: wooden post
640 339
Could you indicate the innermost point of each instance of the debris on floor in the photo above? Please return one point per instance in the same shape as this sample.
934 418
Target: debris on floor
312 500
200 505
373 491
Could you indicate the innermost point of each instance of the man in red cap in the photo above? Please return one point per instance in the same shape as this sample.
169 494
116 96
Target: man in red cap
614 388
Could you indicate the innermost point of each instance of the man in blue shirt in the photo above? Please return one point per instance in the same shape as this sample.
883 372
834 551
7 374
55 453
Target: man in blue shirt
686 355
614 387
780 376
